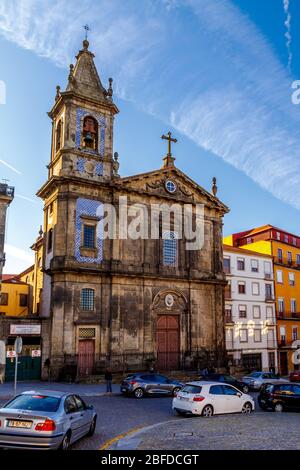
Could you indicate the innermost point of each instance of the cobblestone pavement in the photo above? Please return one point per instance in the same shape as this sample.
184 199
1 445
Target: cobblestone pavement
259 431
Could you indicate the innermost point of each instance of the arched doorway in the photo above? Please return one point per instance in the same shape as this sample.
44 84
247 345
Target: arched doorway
168 343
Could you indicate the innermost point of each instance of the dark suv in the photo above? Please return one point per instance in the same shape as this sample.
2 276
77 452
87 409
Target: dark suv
279 397
228 379
146 383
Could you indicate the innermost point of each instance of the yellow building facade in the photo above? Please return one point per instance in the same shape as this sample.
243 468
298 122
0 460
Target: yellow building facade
15 298
285 249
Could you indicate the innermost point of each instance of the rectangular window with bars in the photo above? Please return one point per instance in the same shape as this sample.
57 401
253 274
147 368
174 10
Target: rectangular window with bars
87 299
170 249
4 298
89 232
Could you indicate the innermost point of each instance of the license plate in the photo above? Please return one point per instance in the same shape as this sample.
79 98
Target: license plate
184 398
263 401
19 424
123 389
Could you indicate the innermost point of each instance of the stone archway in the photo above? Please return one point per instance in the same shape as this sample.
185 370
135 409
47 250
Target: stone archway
169 310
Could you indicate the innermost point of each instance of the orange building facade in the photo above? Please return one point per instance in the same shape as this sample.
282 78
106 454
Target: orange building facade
285 249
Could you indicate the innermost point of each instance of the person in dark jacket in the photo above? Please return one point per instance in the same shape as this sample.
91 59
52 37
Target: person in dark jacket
108 378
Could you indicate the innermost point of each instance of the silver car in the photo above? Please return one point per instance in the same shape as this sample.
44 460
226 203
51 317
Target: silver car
45 420
256 379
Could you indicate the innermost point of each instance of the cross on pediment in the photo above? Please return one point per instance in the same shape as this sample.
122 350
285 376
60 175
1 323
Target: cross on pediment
170 139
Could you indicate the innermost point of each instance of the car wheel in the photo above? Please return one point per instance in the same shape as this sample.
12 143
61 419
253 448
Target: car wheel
278 407
92 427
138 393
245 389
247 408
65 444
207 411
175 391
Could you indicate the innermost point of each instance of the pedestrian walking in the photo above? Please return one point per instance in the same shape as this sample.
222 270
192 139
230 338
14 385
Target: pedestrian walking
108 378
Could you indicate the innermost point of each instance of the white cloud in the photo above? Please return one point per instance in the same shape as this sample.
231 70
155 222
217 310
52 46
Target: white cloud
10 166
201 65
29 199
288 33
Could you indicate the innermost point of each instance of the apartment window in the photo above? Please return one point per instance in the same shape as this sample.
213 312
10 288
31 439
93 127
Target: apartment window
282 335
295 333
278 235
50 239
298 259
241 264
291 279
279 255
294 241
256 311
254 265
255 288
228 313
268 288
289 257
269 312
87 299
89 232
23 300
267 269
281 305
257 336
249 240
226 265
293 306
242 311
286 238
51 208
242 288
170 249
227 292
243 334
4 298
279 277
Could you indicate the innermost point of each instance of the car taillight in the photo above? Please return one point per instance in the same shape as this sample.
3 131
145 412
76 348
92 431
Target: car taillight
133 382
47 425
198 398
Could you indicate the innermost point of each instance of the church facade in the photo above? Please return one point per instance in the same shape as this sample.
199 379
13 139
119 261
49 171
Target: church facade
124 301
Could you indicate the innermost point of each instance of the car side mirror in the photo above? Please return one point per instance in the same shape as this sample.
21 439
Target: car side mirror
239 394
90 407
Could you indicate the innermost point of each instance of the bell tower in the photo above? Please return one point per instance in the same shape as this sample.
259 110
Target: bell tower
82 120
80 176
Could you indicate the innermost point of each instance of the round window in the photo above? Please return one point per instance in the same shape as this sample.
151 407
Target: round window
170 186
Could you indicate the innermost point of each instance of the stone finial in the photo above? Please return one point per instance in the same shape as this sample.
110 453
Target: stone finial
214 188
41 231
57 96
116 164
85 44
110 88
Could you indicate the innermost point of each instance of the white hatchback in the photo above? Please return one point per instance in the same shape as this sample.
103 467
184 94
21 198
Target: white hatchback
209 398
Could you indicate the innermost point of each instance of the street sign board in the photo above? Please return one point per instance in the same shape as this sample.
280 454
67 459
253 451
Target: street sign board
10 353
36 353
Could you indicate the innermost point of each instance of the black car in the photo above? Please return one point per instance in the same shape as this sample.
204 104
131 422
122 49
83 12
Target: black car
145 383
228 379
279 397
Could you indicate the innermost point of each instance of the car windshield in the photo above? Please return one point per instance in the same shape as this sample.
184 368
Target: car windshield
255 374
229 378
34 403
194 389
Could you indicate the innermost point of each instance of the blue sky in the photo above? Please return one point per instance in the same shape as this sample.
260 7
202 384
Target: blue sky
217 73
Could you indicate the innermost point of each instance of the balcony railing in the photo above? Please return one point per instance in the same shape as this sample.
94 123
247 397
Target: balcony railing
270 298
288 315
228 318
6 190
287 262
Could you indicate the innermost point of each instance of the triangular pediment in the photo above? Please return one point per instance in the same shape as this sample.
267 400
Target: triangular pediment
186 190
